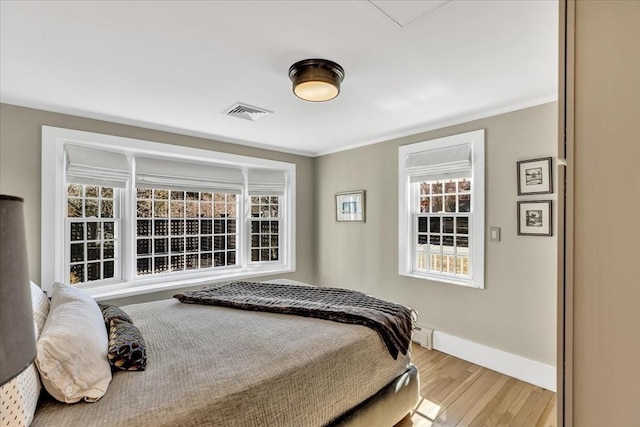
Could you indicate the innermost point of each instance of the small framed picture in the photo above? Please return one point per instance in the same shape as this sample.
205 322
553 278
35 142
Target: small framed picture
350 206
534 176
534 218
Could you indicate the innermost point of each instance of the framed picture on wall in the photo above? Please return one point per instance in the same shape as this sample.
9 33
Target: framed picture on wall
534 218
350 206
534 176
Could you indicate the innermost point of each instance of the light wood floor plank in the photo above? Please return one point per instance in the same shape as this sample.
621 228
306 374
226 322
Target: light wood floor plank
541 405
492 413
454 412
459 393
549 417
454 374
483 401
514 408
457 387
522 415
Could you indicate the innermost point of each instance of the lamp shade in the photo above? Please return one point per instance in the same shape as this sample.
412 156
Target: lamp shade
316 80
17 339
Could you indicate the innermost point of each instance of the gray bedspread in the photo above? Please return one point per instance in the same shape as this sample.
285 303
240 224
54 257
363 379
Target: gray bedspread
393 322
217 366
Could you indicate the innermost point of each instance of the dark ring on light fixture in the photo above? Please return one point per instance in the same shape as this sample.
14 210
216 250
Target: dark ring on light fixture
316 80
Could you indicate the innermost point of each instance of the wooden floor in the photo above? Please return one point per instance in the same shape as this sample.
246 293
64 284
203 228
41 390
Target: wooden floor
458 393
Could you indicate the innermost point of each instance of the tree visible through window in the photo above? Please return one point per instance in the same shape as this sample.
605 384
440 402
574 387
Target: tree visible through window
442 225
184 230
92 226
265 228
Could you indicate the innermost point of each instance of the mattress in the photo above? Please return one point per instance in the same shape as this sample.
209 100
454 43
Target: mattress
226 367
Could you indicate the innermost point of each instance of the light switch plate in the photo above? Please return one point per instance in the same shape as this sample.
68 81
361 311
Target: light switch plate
494 234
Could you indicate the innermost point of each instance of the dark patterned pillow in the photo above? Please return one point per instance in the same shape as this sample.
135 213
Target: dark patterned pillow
127 349
113 312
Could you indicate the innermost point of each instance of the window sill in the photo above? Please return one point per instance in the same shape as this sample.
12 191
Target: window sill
124 290
447 280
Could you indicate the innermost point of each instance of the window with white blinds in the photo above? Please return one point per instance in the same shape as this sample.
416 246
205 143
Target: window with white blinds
138 214
441 209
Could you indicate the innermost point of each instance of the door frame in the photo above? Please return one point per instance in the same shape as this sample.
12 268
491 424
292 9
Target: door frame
566 97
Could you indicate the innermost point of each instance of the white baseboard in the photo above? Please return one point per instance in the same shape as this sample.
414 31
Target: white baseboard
524 369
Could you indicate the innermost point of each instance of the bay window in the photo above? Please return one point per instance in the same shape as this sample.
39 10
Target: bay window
123 216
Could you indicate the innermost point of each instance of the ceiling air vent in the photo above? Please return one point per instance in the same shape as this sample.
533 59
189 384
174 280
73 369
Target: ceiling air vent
247 112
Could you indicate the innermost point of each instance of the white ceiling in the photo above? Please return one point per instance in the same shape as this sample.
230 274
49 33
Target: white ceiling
410 65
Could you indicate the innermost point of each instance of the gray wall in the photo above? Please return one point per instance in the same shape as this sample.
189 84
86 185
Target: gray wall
516 312
20 165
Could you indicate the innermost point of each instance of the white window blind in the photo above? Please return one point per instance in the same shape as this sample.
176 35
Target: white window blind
96 167
266 183
183 176
443 163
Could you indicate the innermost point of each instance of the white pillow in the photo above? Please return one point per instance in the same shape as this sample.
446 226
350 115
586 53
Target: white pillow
72 350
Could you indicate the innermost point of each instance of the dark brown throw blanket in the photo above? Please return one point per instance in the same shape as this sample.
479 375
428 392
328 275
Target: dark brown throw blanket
393 322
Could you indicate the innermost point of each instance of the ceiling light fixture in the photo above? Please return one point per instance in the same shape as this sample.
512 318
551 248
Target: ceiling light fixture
316 80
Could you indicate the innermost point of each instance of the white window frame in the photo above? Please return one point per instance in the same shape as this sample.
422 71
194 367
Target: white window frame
53 217
407 208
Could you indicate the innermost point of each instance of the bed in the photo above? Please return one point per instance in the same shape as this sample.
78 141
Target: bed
221 366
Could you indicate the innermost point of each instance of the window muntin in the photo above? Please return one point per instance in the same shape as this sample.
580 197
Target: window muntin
442 216
92 233
184 230
265 228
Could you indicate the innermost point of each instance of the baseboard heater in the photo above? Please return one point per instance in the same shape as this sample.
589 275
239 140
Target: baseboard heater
423 336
